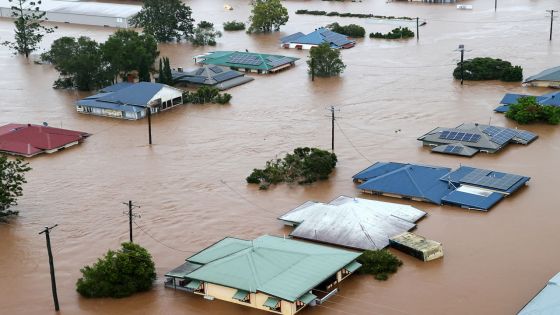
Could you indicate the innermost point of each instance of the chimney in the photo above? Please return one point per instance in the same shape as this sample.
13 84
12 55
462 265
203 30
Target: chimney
28 125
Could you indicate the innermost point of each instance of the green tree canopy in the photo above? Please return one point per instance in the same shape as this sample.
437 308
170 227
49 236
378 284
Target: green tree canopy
12 178
118 274
325 61
205 34
29 31
528 110
379 263
127 51
166 20
80 63
267 16
488 69
352 30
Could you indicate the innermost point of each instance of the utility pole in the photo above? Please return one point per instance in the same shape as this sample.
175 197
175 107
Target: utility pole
131 215
417 29
312 69
462 50
149 113
51 264
551 19
495 5
332 129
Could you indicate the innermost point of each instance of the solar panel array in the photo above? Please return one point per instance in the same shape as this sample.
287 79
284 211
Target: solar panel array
279 61
504 136
199 71
485 178
226 76
195 79
459 136
216 69
492 131
245 59
526 136
453 149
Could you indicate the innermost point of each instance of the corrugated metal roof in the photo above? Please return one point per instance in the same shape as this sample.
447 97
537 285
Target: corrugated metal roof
352 222
318 37
261 61
552 74
283 268
415 241
552 99
547 301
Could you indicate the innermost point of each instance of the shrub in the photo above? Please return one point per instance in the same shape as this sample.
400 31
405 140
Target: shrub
304 166
489 69
206 94
528 110
351 30
234 26
379 263
118 274
396 33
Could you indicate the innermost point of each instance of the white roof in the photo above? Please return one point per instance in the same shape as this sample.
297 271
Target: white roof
84 8
352 222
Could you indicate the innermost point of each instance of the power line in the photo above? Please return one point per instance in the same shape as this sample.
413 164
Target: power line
352 144
244 198
162 243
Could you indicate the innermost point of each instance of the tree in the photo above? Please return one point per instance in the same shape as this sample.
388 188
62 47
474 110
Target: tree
528 110
118 274
205 34
325 61
396 33
267 16
379 263
234 26
29 30
127 51
80 63
166 20
12 178
206 94
489 69
351 30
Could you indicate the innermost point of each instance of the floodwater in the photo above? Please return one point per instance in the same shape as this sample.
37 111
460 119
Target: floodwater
190 183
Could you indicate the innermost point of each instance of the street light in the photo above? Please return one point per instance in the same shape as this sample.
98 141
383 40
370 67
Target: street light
462 50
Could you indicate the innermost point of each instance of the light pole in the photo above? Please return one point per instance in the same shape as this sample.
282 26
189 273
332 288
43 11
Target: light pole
462 50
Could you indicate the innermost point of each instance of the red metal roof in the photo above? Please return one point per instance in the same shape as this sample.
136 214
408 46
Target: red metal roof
29 140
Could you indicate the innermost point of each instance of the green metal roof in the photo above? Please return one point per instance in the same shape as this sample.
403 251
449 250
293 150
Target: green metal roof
246 60
353 266
271 302
307 298
241 295
279 267
193 285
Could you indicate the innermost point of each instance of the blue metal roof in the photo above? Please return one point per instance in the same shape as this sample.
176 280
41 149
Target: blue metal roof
501 109
511 98
138 94
547 302
472 201
377 169
458 176
113 106
291 38
116 87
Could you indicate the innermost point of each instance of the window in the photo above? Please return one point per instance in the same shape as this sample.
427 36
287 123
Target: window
119 20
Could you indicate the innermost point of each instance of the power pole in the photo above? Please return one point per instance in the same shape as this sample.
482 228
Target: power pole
462 50
51 264
495 5
332 125
417 29
149 113
551 19
312 69
131 215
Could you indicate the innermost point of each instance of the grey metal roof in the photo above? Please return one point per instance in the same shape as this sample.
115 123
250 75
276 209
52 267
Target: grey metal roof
482 138
352 222
211 75
552 74
547 302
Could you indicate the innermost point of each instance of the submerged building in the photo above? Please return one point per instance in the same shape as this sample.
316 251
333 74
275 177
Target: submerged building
466 187
247 61
29 140
221 78
269 273
352 222
552 99
469 139
131 100
319 36
547 301
548 78
417 246
82 12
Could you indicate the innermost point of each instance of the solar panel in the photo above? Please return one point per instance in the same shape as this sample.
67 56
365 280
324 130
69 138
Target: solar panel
453 149
199 71
492 131
504 136
216 69
280 61
245 59
459 136
227 75
526 136
489 179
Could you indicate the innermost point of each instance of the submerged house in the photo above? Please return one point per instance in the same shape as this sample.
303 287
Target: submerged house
417 246
220 77
29 140
352 222
552 99
547 78
471 138
131 100
82 12
547 301
269 273
319 36
466 187
247 61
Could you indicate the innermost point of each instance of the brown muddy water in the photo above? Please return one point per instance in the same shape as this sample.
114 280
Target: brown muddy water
190 183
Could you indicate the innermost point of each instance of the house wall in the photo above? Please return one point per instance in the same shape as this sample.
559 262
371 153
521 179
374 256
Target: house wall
552 84
256 299
303 46
109 112
98 20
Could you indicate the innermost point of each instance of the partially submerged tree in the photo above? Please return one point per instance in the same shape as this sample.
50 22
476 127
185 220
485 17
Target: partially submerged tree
118 274
267 16
352 30
127 51
164 73
325 61
396 33
205 34
234 26
80 63
166 20
12 178
528 110
28 28
206 94
488 69
304 166
379 263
